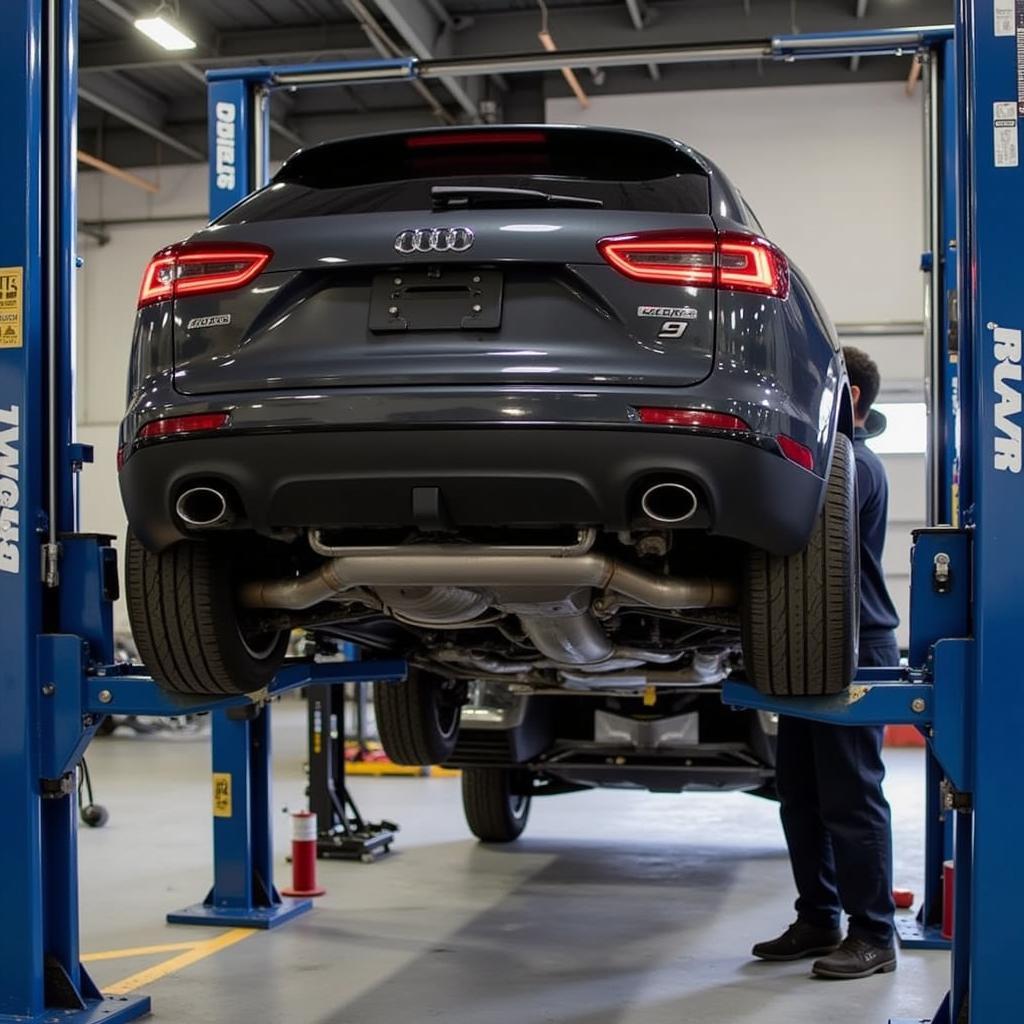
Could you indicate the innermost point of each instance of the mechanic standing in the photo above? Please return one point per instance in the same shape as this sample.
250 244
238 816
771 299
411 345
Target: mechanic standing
829 777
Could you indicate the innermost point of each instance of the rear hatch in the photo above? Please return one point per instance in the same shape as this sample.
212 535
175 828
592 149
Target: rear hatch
460 257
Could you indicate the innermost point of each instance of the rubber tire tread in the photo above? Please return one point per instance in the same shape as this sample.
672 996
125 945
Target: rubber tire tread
184 622
486 795
407 724
801 613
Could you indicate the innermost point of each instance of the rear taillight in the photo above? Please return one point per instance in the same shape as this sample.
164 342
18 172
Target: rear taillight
703 259
174 426
705 418
194 424
201 269
671 257
796 452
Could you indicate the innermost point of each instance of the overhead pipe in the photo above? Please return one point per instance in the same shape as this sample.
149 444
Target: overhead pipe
793 47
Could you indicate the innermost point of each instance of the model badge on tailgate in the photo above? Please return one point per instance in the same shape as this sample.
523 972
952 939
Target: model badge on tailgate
221 320
668 312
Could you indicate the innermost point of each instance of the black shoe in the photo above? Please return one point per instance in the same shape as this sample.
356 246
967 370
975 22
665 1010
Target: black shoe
856 958
800 939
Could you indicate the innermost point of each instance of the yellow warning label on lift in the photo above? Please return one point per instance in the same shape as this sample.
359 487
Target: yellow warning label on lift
11 307
222 794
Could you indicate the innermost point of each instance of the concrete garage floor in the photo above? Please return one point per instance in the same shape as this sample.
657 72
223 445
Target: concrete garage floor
615 908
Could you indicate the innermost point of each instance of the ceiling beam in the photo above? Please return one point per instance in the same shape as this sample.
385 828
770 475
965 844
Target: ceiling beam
137 110
640 15
429 38
250 45
202 34
637 13
860 11
386 47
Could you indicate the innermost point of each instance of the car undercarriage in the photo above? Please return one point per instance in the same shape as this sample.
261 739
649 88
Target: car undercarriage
615 613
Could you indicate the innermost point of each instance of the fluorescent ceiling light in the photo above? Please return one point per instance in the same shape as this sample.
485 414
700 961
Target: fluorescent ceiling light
906 432
161 31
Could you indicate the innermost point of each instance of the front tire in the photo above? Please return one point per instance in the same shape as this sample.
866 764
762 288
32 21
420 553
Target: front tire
495 812
418 719
801 613
187 626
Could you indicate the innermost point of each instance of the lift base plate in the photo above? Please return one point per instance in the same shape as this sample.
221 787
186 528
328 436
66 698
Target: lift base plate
112 1010
240 917
911 934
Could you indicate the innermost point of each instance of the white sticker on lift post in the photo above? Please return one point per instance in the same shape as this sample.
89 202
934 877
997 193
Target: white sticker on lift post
1004 18
1004 116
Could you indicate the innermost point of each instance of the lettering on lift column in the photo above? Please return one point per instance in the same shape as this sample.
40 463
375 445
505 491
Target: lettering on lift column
226 115
10 495
1006 382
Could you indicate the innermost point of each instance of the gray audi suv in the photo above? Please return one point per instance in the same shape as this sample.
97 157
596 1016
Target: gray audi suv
539 409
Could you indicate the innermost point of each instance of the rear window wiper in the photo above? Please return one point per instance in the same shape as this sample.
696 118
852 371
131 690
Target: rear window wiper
461 197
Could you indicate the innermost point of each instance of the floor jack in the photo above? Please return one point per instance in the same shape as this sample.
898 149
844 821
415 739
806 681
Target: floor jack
343 833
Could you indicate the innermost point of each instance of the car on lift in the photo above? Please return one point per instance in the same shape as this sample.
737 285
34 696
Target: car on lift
539 409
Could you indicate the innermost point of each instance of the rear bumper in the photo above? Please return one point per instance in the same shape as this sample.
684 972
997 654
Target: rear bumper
502 476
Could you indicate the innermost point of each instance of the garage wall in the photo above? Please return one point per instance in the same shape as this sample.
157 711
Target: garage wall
834 173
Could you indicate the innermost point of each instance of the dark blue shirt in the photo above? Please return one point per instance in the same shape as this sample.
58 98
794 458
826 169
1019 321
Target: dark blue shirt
877 614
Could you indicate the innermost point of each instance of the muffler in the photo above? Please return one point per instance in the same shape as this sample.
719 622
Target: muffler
601 572
668 502
201 507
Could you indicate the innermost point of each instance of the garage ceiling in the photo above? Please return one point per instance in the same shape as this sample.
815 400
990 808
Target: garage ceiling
143 105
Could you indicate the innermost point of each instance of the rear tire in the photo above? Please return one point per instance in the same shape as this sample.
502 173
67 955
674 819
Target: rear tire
495 813
418 719
801 613
186 623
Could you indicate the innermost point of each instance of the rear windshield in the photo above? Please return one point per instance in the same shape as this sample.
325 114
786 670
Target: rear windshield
396 172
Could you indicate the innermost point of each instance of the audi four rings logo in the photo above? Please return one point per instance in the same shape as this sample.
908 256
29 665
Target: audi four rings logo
433 240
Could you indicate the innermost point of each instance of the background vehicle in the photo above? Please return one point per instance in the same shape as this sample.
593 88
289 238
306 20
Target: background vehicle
535 407
513 747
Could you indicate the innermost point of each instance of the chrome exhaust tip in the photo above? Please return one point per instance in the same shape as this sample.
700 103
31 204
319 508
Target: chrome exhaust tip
201 507
669 503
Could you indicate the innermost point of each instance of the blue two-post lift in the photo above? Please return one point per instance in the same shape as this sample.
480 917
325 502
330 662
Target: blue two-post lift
57 674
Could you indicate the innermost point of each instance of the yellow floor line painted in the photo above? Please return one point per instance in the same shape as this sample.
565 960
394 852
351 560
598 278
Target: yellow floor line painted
378 768
200 951
118 954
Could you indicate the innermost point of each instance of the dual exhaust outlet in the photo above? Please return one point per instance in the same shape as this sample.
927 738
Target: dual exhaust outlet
669 502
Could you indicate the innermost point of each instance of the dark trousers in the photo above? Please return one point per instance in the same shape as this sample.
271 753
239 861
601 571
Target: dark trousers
836 818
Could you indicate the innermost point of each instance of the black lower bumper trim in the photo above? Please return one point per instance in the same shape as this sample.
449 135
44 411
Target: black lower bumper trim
527 477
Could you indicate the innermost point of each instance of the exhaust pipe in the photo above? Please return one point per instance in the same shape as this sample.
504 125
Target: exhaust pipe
669 503
490 571
201 507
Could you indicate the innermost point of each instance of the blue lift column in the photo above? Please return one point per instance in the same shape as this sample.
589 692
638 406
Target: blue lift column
991 223
41 977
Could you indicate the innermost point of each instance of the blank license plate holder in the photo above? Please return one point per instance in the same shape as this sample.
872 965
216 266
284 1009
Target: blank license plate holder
436 299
